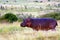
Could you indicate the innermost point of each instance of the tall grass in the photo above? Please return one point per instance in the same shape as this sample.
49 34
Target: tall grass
10 29
20 33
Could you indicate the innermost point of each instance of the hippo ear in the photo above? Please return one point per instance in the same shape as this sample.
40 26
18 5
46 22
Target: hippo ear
23 19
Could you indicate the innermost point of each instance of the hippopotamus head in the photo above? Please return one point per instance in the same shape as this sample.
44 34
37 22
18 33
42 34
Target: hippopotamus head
26 22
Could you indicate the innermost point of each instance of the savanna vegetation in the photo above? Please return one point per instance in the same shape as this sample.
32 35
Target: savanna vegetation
19 33
10 17
16 32
54 15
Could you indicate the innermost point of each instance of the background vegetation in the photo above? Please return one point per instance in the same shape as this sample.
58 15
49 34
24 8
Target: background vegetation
54 15
10 17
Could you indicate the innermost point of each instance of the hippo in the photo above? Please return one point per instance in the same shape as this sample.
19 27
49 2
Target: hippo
39 23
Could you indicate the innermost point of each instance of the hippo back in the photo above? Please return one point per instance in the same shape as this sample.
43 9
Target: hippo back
43 23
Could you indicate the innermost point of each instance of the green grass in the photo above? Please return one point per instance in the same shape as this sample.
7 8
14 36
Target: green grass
10 29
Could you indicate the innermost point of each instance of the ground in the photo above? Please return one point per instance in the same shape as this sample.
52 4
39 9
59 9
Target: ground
28 33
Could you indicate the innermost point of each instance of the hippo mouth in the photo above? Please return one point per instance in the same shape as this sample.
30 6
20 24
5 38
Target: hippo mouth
22 25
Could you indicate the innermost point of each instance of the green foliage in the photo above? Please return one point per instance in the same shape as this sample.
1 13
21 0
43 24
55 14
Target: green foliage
20 20
35 1
10 17
52 15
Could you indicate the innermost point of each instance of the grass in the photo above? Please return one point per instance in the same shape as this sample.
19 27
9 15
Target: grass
21 10
30 10
15 32
10 29
26 34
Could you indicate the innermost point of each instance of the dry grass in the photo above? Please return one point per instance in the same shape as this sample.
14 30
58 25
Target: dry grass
27 33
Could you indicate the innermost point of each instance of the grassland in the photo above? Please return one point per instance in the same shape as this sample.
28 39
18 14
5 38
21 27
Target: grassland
15 32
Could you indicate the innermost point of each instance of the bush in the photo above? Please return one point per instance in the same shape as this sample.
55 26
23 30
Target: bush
10 17
52 15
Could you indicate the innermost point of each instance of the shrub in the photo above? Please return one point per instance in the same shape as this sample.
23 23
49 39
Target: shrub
10 17
52 15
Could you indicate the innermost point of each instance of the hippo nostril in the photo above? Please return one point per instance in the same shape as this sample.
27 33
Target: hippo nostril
22 25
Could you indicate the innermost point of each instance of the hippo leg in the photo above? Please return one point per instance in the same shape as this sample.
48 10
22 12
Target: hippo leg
36 28
52 27
39 27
